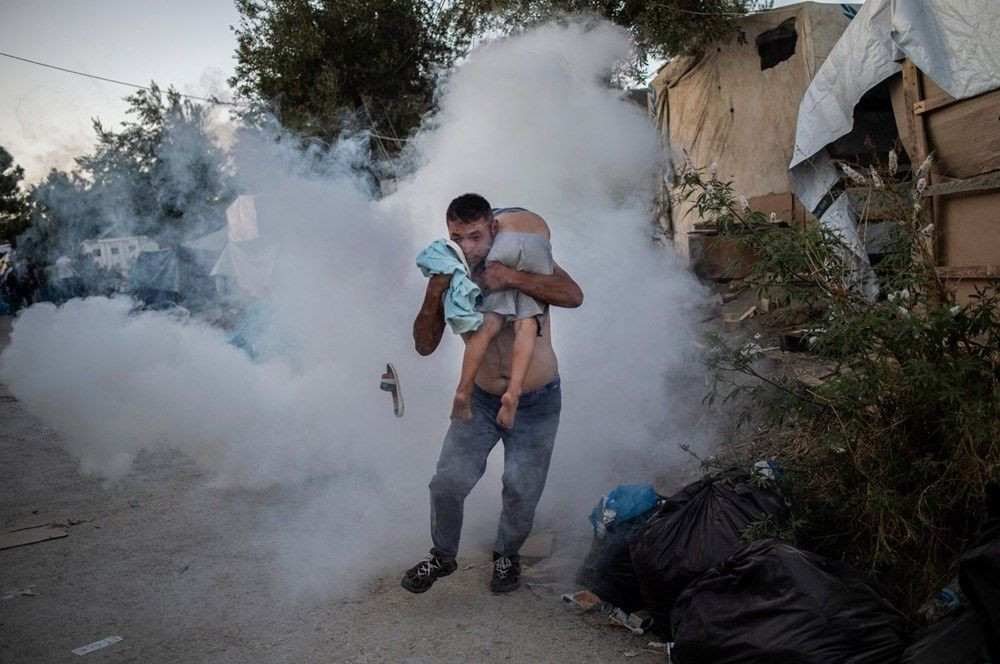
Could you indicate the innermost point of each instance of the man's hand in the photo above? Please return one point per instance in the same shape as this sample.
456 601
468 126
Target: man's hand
557 289
496 277
428 328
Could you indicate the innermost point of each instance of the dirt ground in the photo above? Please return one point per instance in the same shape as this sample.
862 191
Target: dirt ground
171 565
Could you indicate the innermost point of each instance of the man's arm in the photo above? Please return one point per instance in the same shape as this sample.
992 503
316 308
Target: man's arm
428 327
557 289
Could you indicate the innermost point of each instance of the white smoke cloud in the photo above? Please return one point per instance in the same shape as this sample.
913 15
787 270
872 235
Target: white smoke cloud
525 121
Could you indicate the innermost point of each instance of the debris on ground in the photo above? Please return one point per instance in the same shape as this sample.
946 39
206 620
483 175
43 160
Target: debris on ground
584 599
96 645
27 591
31 534
537 546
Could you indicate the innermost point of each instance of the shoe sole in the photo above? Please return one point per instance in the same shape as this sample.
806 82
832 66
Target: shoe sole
417 591
504 592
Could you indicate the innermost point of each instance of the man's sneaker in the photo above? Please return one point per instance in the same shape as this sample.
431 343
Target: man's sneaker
506 574
422 576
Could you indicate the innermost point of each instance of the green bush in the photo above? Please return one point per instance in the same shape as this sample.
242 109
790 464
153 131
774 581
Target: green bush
891 454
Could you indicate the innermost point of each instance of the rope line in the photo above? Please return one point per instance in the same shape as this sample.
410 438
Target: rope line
211 100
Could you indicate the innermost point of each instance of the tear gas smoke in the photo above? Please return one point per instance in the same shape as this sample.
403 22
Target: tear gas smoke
524 121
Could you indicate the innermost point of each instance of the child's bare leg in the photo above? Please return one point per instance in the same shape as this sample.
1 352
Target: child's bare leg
476 344
525 331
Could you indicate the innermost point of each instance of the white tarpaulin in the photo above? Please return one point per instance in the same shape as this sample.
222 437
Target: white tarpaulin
955 42
248 257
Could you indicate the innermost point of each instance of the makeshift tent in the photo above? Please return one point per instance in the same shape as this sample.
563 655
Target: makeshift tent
946 50
736 104
247 258
176 274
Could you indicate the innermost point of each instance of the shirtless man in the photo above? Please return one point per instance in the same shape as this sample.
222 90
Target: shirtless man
467 444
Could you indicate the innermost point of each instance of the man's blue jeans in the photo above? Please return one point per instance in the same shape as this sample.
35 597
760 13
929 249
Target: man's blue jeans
527 449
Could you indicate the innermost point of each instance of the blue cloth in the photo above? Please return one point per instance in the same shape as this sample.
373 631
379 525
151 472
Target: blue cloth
462 295
627 502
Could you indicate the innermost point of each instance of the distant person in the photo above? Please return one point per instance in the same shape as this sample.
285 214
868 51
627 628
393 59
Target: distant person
474 225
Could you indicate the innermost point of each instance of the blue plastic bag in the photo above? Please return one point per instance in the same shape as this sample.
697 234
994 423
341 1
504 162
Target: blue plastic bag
625 502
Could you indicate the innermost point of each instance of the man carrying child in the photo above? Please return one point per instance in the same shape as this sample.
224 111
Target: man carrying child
524 416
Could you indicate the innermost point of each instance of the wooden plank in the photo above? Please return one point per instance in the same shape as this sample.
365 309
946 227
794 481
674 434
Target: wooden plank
927 105
912 96
23 536
978 183
970 272
917 129
968 228
965 136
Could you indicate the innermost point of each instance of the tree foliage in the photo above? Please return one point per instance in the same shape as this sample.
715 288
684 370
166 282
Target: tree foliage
15 214
160 174
313 60
318 64
661 28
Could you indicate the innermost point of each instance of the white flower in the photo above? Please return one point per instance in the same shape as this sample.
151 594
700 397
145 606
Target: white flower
774 217
891 297
904 294
812 340
876 180
924 167
903 312
757 336
921 186
927 230
744 204
853 174
715 171
688 160
893 162
955 310
710 189
917 208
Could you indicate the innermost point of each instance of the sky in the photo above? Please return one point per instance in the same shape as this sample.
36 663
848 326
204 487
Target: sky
45 115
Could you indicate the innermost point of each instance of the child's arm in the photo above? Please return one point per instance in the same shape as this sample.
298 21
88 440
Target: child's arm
428 327
557 289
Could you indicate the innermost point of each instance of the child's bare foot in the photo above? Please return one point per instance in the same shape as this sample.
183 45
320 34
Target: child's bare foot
460 408
508 409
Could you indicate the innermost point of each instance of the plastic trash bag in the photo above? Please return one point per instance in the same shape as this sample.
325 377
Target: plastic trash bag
979 572
607 570
954 639
771 602
697 529
625 502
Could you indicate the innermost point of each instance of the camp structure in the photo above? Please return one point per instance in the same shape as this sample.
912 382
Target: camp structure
245 252
177 275
925 72
735 105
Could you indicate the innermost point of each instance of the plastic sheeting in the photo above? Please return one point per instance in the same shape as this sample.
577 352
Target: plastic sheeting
771 602
695 530
248 255
955 42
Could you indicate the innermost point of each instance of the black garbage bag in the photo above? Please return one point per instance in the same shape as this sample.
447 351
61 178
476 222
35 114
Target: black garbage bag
679 545
771 602
607 570
957 638
979 572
